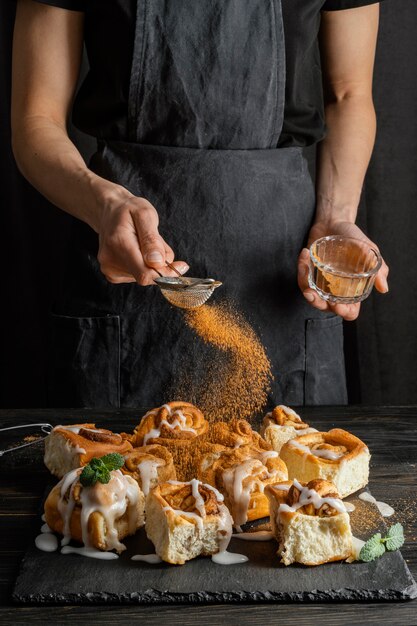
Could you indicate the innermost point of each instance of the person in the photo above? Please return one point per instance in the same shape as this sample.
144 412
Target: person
201 111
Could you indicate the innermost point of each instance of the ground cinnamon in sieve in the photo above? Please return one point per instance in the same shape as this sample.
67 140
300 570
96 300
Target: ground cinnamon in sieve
237 374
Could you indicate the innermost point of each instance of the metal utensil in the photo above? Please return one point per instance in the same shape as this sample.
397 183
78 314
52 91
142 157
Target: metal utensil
186 292
45 428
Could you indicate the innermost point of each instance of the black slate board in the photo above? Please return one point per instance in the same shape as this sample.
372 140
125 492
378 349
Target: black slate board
47 578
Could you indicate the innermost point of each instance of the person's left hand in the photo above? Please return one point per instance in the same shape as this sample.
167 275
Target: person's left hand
345 229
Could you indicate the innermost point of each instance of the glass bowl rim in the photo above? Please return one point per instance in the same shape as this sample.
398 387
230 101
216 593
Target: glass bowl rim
331 270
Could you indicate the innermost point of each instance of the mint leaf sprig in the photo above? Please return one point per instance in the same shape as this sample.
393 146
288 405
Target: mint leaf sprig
98 469
377 545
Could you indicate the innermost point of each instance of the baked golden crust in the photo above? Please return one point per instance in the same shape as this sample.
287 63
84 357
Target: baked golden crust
116 509
185 520
174 420
150 465
309 522
72 446
337 456
284 416
241 476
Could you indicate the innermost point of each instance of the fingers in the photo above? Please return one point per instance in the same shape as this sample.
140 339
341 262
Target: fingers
381 282
152 245
349 312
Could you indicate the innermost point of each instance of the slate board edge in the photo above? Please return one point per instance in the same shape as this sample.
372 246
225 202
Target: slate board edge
156 597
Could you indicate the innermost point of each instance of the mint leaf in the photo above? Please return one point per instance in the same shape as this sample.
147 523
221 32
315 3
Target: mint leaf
372 549
395 537
99 469
88 476
113 461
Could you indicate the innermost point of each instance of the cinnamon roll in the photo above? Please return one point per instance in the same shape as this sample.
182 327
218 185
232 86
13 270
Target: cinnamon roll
241 475
235 434
309 522
174 420
337 456
186 520
99 516
149 465
187 453
69 447
281 425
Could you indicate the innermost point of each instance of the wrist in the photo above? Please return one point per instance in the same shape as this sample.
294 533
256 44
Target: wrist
329 211
105 196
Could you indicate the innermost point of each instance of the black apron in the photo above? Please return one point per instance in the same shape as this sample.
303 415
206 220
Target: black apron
206 108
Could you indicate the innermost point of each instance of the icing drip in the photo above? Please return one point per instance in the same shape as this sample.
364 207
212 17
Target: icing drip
323 454
148 470
111 500
357 545
385 509
349 507
45 528
47 542
179 422
92 553
310 496
147 558
228 558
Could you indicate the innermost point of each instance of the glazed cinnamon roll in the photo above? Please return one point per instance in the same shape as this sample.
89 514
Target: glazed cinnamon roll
235 434
149 465
69 447
281 425
174 420
337 456
99 516
309 522
186 520
241 475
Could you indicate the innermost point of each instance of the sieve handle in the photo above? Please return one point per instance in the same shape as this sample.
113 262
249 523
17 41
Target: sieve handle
45 428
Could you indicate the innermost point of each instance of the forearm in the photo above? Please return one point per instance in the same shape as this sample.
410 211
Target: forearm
343 157
50 161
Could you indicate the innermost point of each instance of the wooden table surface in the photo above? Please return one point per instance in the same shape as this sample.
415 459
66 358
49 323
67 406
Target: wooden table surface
390 432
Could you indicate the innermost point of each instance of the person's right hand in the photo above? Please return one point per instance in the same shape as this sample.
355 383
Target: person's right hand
130 246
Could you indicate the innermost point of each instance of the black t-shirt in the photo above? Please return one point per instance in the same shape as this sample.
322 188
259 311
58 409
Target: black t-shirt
100 108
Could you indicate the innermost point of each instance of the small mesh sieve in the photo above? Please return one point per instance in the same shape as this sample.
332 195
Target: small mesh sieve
185 292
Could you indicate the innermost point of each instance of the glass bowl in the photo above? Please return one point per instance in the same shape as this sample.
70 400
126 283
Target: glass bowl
343 269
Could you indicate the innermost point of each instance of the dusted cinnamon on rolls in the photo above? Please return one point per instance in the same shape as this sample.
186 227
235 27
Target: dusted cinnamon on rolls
174 420
281 425
149 465
99 516
337 456
186 520
69 447
235 434
309 522
241 475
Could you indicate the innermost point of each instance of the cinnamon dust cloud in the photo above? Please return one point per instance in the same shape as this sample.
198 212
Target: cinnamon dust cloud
237 373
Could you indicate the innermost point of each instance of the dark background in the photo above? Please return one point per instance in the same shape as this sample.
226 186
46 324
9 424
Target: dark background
381 347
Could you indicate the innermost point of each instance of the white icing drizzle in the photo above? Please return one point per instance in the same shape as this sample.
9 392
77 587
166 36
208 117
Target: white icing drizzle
148 470
79 450
224 532
385 509
111 500
92 553
323 454
357 545
228 558
147 558
282 487
349 507
310 496
43 518
72 429
47 542
259 535
240 493
179 422
45 528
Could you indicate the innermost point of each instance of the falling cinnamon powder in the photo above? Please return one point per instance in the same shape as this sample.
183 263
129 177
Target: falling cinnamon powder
237 374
